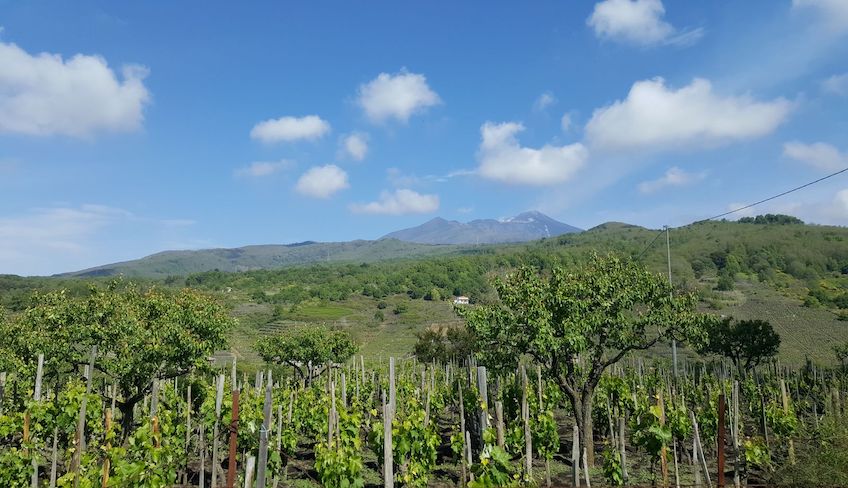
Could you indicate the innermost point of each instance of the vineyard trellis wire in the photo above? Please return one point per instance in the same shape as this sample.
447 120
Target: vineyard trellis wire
652 427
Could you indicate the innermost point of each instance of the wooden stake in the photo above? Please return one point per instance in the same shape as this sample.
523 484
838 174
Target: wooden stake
263 434
388 467
231 467
720 440
219 399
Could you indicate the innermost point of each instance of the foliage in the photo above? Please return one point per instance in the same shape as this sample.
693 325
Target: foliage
746 342
444 344
139 335
598 311
613 472
303 345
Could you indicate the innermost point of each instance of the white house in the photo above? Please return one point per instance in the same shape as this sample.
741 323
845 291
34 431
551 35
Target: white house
460 300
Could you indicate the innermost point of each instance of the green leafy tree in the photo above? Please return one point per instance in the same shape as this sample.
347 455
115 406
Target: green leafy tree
746 342
140 335
577 322
301 346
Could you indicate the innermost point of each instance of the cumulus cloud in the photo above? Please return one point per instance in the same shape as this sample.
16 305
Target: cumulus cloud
322 181
836 85
673 177
656 116
396 96
399 202
503 159
258 169
834 13
290 129
637 22
355 146
43 94
819 155
544 101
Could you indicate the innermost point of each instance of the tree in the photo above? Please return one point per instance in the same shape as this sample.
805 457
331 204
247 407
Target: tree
139 335
747 342
575 323
841 351
444 344
302 346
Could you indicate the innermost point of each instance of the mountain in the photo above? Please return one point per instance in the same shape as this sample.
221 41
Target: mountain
527 226
246 258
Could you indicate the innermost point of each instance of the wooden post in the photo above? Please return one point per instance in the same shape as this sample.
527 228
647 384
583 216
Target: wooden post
622 447
462 431
734 431
219 399
483 388
154 408
388 467
785 399
80 434
528 436
54 460
720 441
469 459
700 447
500 423
105 478
575 456
248 472
202 447
37 397
231 467
664 451
392 391
263 434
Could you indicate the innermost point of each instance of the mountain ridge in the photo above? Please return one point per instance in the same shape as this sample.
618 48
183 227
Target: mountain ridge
526 226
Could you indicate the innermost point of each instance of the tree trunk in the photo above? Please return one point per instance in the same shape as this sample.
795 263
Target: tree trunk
127 418
582 406
586 438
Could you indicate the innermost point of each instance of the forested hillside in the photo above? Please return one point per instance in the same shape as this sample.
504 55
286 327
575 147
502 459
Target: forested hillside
745 269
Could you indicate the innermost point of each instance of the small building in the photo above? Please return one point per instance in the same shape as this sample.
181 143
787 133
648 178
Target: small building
460 300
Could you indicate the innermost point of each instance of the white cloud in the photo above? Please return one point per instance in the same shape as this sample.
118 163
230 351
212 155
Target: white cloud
818 155
289 129
673 177
355 146
64 238
544 101
44 95
258 169
397 96
565 122
637 22
503 159
399 202
322 181
655 116
836 84
834 13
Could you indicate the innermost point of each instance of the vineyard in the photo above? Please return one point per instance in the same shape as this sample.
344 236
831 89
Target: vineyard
450 424
544 387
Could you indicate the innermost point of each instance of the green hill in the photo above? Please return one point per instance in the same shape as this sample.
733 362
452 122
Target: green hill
170 263
794 275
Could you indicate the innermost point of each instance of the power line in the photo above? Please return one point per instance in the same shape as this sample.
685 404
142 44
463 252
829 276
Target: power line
779 194
747 206
650 244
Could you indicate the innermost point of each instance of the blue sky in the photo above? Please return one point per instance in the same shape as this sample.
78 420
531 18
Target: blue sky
134 127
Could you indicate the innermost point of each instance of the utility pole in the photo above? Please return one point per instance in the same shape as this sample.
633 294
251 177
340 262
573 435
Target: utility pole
673 341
